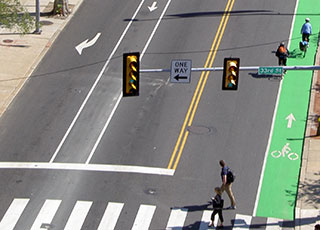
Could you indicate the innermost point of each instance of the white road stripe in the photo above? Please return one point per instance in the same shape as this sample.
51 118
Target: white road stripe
119 98
95 83
13 214
242 222
89 167
78 215
46 214
273 224
176 219
206 219
110 216
144 217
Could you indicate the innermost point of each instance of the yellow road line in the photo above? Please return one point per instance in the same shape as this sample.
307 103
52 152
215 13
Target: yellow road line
202 82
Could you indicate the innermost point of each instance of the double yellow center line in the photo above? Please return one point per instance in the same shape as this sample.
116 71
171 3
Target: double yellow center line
174 160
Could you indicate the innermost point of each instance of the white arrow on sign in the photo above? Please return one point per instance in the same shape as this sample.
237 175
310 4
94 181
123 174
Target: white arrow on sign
86 44
153 6
290 118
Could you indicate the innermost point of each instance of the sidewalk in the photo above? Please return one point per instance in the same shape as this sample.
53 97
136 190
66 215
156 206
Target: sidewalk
308 200
20 54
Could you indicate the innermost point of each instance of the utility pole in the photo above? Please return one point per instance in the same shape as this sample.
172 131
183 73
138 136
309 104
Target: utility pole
37 31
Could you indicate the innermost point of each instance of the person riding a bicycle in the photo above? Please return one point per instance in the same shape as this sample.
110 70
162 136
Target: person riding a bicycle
282 54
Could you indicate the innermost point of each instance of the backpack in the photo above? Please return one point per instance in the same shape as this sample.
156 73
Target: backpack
230 177
282 50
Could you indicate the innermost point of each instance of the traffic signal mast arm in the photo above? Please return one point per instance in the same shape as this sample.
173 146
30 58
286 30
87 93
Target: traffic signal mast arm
243 68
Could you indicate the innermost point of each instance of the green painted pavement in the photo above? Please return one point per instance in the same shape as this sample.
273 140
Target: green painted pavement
281 176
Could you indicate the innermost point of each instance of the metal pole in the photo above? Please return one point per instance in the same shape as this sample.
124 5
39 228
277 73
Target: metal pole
37 31
244 68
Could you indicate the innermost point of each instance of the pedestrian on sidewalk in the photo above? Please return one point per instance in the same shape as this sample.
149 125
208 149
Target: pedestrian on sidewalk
306 30
226 185
217 203
282 53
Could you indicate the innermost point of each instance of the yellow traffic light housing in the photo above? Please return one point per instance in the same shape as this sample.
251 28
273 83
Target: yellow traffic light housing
131 74
230 73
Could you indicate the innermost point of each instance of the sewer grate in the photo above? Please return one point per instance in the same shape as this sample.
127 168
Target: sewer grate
199 129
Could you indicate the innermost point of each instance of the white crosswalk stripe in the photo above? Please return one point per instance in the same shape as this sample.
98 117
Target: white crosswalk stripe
242 222
110 216
13 214
46 214
273 224
206 219
176 219
78 215
144 217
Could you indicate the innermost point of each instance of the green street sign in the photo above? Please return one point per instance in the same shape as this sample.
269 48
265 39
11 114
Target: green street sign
278 70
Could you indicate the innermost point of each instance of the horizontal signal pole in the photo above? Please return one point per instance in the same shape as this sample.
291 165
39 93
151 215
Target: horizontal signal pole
244 68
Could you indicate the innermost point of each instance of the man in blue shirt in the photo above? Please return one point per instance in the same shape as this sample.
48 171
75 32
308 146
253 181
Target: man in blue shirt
225 185
306 30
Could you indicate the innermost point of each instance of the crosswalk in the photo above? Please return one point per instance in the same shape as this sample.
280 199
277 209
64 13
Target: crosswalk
144 216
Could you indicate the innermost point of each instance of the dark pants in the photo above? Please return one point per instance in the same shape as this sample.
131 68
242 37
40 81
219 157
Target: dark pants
305 37
215 211
282 61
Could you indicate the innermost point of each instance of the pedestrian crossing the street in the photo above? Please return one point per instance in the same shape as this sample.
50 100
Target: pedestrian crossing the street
144 216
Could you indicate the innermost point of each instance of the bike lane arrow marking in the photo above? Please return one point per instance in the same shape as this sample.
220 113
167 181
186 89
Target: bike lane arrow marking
86 44
290 118
153 6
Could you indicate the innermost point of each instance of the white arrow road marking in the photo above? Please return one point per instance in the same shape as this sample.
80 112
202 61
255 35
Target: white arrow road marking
290 118
86 44
153 6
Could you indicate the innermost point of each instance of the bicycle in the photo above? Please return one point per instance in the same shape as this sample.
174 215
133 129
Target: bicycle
303 45
285 151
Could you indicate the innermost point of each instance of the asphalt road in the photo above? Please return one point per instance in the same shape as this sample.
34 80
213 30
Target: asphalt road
53 120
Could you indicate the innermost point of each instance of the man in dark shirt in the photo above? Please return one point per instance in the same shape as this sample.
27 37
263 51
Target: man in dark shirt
225 185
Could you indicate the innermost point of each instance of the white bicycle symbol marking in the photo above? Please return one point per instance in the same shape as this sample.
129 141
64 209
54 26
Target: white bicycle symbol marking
285 151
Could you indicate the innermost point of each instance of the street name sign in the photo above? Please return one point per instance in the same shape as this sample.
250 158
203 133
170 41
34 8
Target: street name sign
272 70
180 71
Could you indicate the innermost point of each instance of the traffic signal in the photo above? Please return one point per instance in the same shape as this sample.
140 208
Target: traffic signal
131 74
230 74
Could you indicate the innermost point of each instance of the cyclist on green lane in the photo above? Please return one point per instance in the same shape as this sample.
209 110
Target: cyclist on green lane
306 30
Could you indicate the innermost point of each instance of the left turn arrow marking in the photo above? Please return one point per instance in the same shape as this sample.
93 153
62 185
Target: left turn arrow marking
153 6
86 44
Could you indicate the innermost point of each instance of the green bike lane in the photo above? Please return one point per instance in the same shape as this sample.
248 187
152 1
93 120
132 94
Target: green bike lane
279 185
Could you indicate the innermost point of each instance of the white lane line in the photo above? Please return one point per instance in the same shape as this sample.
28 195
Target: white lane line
46 214
144 217
176 219
13 214
242 222
273 121
274 224
155 29
110 216
104 129
95 84
89 167
78 215
120 97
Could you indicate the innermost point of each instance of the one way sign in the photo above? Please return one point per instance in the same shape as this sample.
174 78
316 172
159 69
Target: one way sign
180 71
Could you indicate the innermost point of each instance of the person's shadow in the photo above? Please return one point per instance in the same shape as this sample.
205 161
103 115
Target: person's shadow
296 53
